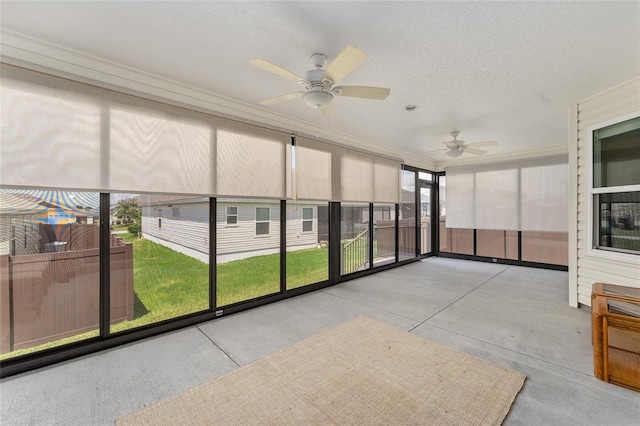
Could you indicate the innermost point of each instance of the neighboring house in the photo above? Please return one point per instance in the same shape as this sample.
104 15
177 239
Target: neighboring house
244 228
31 221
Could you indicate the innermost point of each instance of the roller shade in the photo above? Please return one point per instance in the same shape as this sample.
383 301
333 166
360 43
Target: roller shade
529 195
323 171
155 153
61 134
251 161
50 133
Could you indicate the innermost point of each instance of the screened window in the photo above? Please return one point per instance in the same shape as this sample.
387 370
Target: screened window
407 219
616 187
232 215
262 220
307 219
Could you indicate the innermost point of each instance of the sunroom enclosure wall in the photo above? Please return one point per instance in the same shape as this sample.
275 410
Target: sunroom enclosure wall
514 211
211 192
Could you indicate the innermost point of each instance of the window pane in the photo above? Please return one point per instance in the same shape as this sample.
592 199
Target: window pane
168 257
425 176
545 247
354 236
616 154
262 228
445 233
262 213
308 252
49 256
618 221
307 226
384 234
425 220
232 220
407 220
232 210
307 213
247 266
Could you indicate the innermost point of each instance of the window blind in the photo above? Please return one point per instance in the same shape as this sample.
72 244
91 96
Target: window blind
154 153
62 134
325 171
529 195
50 133
251 161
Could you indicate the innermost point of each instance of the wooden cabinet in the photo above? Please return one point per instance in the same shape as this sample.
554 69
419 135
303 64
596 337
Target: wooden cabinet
615 315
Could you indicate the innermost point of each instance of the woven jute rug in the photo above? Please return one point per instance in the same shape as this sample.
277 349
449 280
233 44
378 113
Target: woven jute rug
361 372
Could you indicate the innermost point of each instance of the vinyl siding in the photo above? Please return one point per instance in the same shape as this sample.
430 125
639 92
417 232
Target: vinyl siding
623 269
242 236
190 228
295 236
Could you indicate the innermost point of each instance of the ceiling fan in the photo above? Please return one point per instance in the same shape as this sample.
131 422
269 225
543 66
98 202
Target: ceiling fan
320 82
455 148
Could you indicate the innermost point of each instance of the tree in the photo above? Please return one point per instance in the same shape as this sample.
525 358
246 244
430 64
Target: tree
128 211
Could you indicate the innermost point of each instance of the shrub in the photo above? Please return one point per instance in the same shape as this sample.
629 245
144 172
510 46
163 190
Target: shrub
134 228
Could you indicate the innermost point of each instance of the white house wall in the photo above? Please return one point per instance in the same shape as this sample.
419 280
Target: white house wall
296 237
241 237
190 229
188 233
592 267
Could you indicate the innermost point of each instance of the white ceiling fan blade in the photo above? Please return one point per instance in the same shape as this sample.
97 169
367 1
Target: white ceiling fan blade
268 66
484 143
367 92
453 144
435 150
474 151
281 98
344 63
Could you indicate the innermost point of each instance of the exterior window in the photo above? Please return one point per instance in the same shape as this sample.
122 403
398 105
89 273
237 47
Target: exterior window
425 176
175 212
616 187
262 220
307 219
232 215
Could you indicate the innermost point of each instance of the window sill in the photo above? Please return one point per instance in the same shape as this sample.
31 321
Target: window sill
614 256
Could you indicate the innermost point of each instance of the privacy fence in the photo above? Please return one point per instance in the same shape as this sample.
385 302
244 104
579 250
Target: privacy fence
49 296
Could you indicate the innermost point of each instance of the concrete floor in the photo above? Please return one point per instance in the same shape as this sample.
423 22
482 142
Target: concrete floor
512 316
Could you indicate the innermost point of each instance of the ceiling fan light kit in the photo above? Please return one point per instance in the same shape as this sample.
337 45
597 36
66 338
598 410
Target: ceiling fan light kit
319 82
318 98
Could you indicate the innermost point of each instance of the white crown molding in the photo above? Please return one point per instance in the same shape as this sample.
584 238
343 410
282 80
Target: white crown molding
42 53
547 151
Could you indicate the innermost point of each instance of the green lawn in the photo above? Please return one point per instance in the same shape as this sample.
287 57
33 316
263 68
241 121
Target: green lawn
168 284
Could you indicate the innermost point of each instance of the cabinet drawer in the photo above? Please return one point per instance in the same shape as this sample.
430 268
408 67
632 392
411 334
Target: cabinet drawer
624 339
624 368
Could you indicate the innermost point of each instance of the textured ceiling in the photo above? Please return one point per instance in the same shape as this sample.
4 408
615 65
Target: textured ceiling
504 71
